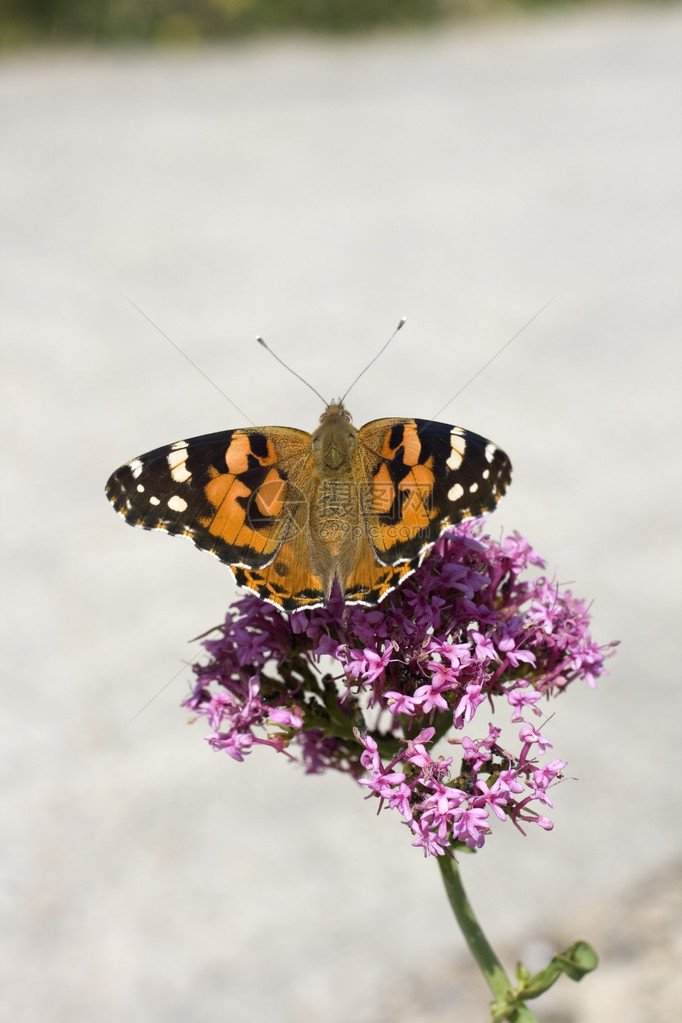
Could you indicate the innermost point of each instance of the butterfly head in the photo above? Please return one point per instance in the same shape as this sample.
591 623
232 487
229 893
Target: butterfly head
336 410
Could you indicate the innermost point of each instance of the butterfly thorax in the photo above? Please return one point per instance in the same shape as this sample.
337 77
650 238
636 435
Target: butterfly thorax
334 442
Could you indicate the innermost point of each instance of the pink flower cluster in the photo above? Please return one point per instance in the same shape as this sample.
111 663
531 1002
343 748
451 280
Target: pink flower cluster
410 683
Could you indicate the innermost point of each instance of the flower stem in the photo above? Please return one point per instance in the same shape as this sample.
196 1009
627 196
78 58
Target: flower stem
490 966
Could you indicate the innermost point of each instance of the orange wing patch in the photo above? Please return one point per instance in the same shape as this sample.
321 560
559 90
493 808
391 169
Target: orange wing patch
369 581
383 490
417 510
288 581
404 441
271 495
240 454
232 500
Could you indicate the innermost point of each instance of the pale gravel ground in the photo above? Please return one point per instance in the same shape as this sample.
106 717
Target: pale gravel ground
313 192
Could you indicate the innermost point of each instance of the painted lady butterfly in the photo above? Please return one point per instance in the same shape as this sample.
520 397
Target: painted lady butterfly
292 513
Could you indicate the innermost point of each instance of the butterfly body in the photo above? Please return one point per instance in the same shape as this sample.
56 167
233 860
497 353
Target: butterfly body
293 514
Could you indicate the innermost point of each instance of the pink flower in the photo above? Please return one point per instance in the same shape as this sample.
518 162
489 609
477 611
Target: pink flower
471 827
236 744
288 718
529 737
430 696
471 632
468 704
366 665
518 699
415 749
484 647
399 703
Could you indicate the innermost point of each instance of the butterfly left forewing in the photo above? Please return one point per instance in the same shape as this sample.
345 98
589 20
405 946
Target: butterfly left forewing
229 492
423 477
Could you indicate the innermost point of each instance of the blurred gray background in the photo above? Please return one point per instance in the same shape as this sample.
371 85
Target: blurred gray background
314 191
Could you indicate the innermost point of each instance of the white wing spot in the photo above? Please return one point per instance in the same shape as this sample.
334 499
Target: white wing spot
178 444
490 450
457 431
455 492
154 500
140 488
135 467
458 447
485 474
473 488
176 463
176 503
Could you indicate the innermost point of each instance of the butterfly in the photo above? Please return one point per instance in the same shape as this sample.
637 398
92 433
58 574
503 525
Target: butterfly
294 513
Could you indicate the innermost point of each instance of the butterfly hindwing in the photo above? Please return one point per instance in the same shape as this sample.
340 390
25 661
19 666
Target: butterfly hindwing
288 581
370 580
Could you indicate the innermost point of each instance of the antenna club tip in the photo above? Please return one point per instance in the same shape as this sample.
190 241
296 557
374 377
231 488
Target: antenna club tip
260 341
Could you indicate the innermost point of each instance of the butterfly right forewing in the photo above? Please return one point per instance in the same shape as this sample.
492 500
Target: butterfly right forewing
423 478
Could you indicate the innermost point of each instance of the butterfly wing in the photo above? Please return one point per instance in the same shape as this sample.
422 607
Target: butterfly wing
423 477
369 581
288 581
232 493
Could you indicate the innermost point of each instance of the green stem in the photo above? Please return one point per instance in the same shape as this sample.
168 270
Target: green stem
490 966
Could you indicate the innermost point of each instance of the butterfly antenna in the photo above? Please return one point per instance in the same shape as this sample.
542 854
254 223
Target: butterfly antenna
190 361
492 359
403 321
156 695
292 371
